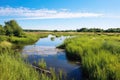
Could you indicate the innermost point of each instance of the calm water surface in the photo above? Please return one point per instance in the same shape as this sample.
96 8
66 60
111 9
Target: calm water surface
45 48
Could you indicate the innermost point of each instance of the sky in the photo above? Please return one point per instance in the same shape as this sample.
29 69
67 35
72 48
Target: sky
61 14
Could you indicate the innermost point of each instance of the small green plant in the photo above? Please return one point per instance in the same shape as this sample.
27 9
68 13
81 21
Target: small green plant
52 38
42 64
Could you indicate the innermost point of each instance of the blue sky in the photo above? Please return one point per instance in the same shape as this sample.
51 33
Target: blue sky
61 14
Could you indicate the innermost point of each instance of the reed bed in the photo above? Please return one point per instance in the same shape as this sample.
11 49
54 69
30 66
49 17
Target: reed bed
98 54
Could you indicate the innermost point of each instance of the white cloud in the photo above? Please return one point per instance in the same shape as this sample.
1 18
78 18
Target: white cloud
112 16
26 13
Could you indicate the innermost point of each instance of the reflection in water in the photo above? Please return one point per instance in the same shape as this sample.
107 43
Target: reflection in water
56 58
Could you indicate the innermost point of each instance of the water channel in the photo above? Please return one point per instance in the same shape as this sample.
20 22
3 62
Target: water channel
45 48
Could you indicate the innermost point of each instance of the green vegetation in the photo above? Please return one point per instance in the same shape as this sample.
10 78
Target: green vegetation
98 54
12 28
12 67
52 38
4 45
111 30
42 64
13 33
2 31
59 75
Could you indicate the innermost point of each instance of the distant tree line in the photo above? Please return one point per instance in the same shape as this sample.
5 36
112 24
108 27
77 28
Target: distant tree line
64 30
111 30
32 30
11 28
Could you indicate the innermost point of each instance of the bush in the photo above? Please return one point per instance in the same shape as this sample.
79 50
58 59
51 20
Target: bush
12 28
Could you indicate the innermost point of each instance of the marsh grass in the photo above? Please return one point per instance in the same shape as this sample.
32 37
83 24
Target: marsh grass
5 45
3 38
27 39
99 55
12 66
15 69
